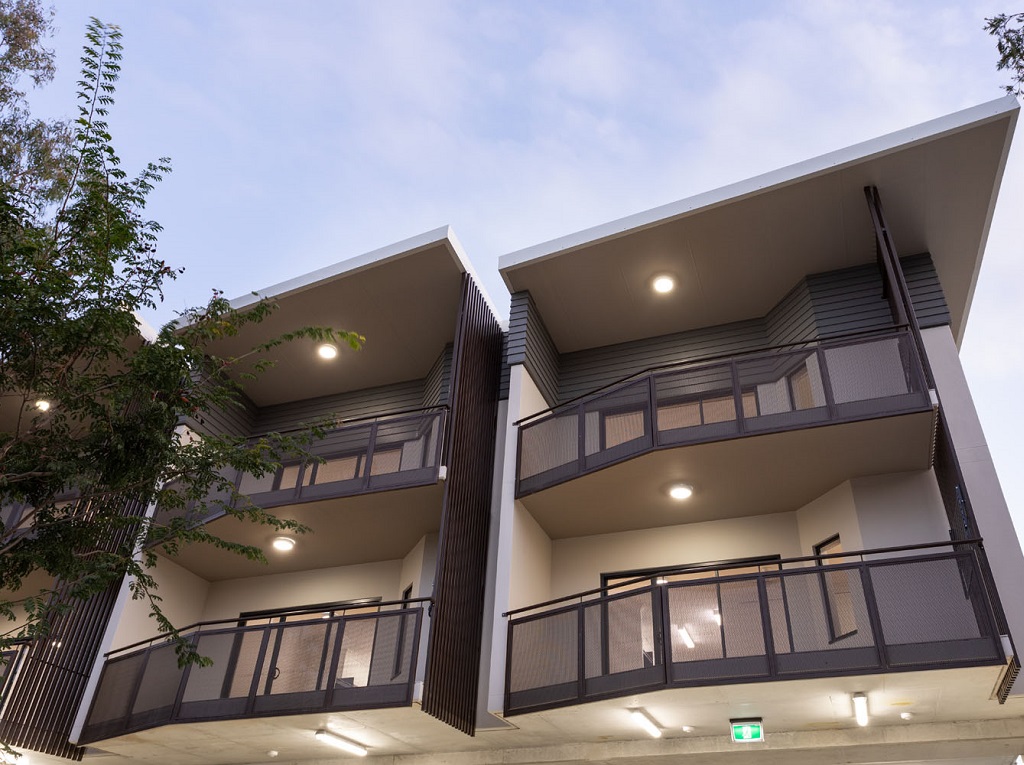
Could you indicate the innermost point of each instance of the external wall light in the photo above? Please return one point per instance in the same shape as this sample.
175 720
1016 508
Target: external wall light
860 708
340 742
645 721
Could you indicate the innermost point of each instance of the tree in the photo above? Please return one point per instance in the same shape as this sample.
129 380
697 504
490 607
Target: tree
1009 33
90 412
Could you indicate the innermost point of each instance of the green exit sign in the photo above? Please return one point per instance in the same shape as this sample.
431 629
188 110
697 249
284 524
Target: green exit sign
747 731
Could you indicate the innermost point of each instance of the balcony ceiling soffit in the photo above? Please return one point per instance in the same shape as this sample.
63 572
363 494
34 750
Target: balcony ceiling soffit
757 475
382 526
736 252
406 308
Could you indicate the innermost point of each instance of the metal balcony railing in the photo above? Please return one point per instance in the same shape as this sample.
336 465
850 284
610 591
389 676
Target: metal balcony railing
360 456
805 617
357 657
827 382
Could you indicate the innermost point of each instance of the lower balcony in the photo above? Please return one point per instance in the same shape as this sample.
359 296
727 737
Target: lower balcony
287 663
897 609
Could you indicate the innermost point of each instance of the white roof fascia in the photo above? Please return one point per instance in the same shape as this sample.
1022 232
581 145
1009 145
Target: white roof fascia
836 160
350 266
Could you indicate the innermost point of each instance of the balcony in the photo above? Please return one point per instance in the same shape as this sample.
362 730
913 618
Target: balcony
358 657
890 610
831 382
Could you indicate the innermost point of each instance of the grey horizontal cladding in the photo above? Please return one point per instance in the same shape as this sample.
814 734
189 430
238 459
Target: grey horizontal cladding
437 386
925 290
792 320
234 420
506 370
584 371
530 344
369 402
852 300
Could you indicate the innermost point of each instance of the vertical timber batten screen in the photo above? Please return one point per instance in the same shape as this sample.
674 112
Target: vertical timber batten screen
453 658
48 690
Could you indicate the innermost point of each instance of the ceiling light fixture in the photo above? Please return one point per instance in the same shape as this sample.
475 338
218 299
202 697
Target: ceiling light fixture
283 544
687 729
342 743
43 405
645 721
680 491
327 351
685 637
860 708
905 715
663 284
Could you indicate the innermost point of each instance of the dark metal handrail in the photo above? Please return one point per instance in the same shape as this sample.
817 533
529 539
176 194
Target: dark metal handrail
977 541
701 360
195 627
340 424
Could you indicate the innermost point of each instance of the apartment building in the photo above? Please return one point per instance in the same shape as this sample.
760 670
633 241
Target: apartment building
717 493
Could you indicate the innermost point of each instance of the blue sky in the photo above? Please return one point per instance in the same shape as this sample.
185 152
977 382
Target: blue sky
303 133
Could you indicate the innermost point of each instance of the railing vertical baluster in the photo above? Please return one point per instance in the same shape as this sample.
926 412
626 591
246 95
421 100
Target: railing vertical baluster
737 395
873 615
766 625
721 616
581 425
332 674
183 683
581 652
370 446
785 609
826 383
250 703
138 683
665 626
652 397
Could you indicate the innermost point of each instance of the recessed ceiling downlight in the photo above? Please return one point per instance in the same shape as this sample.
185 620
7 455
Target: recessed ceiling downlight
283 544
327 351
680 491
663 284
42 405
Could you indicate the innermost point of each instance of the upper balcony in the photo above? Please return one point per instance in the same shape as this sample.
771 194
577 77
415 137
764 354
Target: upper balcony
886 610
789 388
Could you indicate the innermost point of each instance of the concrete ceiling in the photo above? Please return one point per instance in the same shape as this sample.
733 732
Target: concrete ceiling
808 722
403 301
780 472
384 525
737 251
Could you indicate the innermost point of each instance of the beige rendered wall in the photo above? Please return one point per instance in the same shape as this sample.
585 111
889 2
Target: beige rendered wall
530 576
182 593
418 568
900 509
834 512
577 563
34 584
229 598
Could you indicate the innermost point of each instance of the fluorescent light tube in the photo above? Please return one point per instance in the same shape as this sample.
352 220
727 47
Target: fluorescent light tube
646 722
342 743
860 708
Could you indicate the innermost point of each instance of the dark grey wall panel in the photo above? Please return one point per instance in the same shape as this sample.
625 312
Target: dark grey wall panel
232 420
506 370
792 320
584 371
530 344
925 290
361 403
851 299
437 386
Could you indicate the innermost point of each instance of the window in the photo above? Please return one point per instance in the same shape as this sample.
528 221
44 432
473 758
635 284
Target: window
837 588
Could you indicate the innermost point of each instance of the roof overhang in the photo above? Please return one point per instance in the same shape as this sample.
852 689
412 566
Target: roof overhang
404 299
736 251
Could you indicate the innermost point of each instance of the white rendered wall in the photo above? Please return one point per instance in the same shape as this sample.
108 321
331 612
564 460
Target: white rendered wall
900 509
231 597
531 561
986 495
182 594
834 512
577 563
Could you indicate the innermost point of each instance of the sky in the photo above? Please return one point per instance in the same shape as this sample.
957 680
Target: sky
303 133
